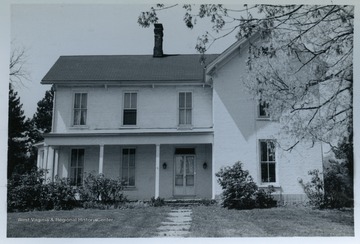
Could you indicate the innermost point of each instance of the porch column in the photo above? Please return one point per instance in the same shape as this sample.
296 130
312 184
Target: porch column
157 173
45 161
101 159
38 159
56 163
50 164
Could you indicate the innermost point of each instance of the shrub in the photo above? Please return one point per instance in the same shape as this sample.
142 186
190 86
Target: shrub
25 192
157 202
29 192
61 194
331 189
98 188
240 191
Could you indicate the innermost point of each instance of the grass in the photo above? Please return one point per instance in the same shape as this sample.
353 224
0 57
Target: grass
208 221
137 222
278 222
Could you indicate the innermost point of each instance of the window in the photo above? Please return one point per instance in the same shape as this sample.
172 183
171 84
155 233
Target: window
185 108
77 166
130 105
128 166
267 161
263 109
80 108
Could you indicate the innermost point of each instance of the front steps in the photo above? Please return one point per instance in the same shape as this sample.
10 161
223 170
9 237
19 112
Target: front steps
183 202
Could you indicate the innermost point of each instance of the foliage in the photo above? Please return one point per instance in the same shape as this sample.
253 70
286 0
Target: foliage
40 123
240 191
98 188
24 191
29 192
333 189
17 138
302 66
314 189
157 202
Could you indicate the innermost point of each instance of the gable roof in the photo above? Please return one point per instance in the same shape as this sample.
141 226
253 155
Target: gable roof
112 68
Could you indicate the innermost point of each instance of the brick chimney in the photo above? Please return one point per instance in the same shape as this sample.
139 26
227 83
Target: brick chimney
158 50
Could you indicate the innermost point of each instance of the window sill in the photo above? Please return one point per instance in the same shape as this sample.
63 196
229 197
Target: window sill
265 185
263 118
185 127
130 188
130 126
79 127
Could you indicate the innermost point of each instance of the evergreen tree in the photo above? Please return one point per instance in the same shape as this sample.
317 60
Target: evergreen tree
17 135
41 122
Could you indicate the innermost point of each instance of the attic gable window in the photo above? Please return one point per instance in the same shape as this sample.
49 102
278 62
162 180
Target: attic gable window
80 108
130 108
263 109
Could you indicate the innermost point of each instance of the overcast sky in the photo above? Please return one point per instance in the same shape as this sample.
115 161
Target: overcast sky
47 31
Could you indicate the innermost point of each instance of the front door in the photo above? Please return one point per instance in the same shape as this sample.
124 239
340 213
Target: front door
184 184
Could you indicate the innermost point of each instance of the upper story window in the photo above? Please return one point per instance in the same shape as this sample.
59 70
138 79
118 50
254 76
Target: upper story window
263 110
130 108
267 161
80 109
185 108
77 166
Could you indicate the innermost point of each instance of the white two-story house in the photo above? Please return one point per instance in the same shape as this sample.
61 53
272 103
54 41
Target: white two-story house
165 124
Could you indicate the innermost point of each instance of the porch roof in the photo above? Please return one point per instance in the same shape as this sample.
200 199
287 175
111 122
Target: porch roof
129 138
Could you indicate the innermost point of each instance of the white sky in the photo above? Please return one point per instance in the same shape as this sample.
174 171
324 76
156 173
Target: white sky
47 31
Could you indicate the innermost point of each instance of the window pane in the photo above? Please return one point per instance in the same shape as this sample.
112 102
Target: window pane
73 157
80 158
76 117
83 117
190 180
182 116
133 100
272 172
77 100
182 100
264 172
84 100
263 151
188 100
263 107
130 117
127 100
271 150
132 177
179 180
188 116
79 176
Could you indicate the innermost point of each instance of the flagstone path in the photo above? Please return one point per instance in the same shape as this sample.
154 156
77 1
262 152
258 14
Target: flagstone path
177 225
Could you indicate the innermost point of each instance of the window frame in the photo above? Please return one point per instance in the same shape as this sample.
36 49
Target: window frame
127 184
268 162
73 123
185 108
125 109
73 183
259 109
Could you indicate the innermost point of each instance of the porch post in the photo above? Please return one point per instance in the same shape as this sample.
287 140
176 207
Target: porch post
101 159
50 164
157 173
56 163
45 161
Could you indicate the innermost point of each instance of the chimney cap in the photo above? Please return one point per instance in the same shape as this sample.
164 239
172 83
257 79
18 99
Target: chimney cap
158 26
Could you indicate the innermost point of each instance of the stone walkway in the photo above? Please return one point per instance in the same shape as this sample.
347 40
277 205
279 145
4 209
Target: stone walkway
177 225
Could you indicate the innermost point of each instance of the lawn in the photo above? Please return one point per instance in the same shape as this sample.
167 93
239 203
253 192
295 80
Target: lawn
208 221
139 222
281 222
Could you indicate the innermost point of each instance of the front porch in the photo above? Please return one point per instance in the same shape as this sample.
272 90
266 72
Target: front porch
182 169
